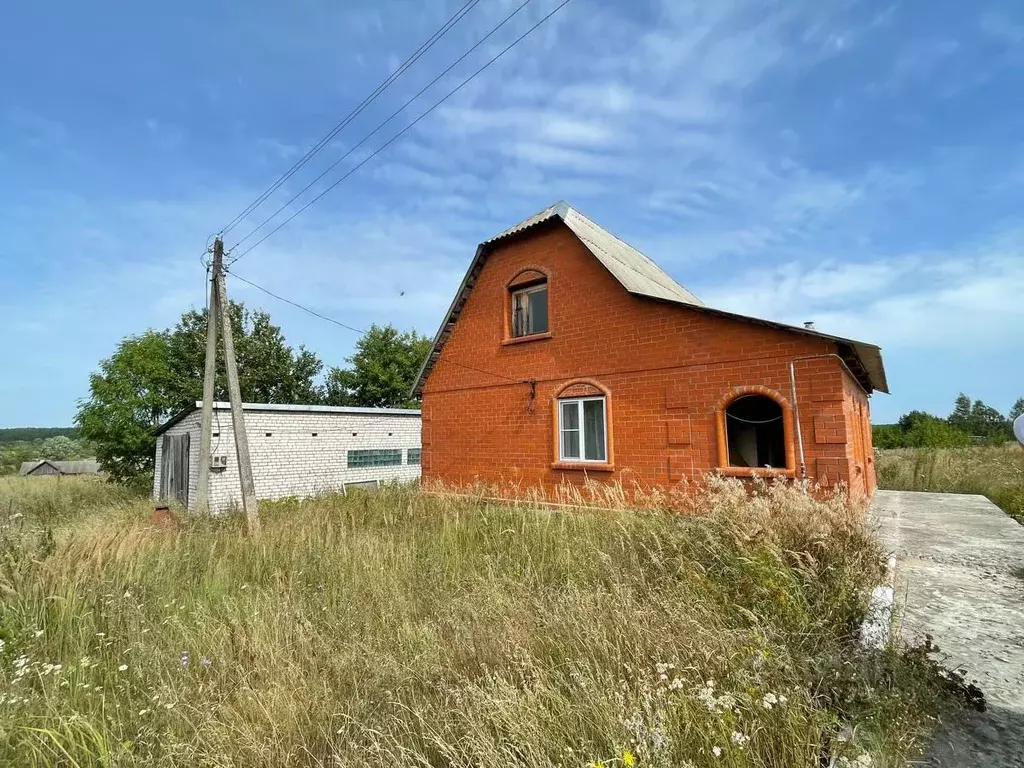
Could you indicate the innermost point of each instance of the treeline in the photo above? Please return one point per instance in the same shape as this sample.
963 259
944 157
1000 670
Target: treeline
153 376
971 423
30 434
59 446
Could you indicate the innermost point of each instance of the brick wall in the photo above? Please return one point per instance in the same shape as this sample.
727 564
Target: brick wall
666 368
291 461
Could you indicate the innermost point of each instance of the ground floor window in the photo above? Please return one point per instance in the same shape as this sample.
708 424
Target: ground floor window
581 429
412 456
755 432
375 458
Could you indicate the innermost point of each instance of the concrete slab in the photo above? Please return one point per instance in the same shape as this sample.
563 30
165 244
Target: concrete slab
956 557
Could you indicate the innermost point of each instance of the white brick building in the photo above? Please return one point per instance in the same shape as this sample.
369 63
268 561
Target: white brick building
296 450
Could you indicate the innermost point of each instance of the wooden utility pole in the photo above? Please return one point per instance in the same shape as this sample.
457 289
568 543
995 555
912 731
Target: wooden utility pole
249 505
203 490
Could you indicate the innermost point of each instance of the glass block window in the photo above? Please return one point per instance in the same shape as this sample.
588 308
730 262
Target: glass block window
375 458
413 456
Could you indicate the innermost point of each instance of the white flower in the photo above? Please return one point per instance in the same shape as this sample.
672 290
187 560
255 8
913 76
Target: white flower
864 760
739 739
716 751
769 700
38 633
676 684
123 668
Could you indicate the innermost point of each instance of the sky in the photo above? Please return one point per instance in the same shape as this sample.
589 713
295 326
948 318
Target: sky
856 164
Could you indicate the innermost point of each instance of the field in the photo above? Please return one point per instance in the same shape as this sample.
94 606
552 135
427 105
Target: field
993 471
399 629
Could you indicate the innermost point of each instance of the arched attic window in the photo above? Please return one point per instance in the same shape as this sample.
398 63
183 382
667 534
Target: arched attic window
755 432
528 304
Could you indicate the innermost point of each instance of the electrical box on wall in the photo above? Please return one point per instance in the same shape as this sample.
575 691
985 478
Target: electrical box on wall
219 462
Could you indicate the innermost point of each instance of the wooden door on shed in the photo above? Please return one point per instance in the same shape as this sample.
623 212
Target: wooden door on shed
174 468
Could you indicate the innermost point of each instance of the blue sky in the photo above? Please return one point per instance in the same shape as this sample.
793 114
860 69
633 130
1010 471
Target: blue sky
856 164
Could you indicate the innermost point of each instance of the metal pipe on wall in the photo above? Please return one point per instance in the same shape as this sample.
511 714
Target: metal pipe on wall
796 409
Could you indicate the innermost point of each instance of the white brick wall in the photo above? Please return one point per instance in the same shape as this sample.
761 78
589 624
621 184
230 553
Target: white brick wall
290 461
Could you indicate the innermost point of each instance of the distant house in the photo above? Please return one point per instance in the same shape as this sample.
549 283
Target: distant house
567 356
296 450
44 467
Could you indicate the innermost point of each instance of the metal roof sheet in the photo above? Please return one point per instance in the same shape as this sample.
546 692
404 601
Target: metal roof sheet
288 408
76 467
638 275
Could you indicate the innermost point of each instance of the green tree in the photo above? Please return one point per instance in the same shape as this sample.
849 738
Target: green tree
961 415
1017 409
384 368
935 433
59 448
152 376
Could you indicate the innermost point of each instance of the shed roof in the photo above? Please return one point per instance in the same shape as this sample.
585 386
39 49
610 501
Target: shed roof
79 467
287 408
641 277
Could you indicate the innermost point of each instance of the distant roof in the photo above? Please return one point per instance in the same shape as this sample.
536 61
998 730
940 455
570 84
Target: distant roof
79 467
288 407
642 277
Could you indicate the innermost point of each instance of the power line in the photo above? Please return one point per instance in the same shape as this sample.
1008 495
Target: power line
445 28
368 136
353 329
294 304
398 135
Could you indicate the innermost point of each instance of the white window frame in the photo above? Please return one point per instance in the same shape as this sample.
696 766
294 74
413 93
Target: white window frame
579 401
526 308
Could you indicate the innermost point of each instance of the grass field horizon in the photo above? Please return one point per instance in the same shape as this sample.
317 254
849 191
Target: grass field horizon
994 471
402 629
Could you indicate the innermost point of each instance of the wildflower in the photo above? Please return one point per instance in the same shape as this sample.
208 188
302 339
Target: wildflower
676 684
769 700
739 739
205 661
38 633
123 668
716 751
183 658
628 758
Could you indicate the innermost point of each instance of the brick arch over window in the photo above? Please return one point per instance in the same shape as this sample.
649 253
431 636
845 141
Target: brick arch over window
788 436
529 274
523 279
583 388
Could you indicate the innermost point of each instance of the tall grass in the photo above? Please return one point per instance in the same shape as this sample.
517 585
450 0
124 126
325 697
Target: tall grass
54 500
400 629
993 471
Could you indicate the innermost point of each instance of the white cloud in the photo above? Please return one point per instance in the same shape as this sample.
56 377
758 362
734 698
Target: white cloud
964 300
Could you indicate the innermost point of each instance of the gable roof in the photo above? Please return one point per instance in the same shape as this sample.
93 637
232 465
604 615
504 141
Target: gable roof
637 273
78 467
641 277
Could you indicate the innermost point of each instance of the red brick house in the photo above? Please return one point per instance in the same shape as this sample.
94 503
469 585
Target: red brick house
567 354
